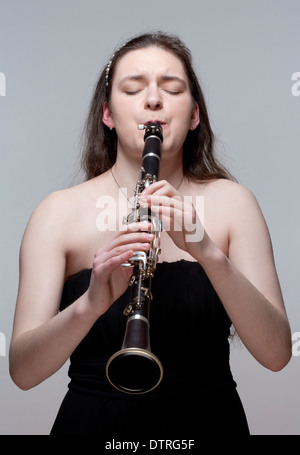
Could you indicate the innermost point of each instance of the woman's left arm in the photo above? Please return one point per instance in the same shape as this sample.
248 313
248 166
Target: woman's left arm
247 283
245 279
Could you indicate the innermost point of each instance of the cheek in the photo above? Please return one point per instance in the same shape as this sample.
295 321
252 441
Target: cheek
184 109
122 109
182 123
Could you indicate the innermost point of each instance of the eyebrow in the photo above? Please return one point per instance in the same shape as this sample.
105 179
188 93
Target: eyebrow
163 78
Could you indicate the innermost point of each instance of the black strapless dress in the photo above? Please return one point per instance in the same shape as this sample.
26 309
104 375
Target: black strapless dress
189 331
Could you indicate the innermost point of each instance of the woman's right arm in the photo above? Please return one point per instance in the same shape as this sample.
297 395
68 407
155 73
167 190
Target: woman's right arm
44 338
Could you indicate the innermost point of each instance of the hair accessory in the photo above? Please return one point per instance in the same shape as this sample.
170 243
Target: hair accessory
109 64
107 70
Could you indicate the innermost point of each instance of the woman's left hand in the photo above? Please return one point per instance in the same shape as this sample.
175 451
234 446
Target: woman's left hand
180 218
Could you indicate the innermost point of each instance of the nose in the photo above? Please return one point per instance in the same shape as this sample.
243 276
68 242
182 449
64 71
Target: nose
153 98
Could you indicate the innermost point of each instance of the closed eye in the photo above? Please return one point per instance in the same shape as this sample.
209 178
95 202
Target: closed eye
173 92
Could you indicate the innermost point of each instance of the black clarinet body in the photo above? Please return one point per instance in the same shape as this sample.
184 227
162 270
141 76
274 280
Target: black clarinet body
135 369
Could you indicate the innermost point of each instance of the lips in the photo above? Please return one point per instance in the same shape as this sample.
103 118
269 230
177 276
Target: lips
155 121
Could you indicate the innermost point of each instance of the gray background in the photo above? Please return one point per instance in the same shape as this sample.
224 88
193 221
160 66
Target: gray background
245 53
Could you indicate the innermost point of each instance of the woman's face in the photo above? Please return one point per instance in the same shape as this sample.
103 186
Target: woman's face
150 84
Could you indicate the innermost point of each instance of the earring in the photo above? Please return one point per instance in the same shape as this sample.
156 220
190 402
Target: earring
111 128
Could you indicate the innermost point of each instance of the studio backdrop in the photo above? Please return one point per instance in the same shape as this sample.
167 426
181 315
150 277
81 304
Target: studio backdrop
246 54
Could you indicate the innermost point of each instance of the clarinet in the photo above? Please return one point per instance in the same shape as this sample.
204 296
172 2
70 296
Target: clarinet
134 368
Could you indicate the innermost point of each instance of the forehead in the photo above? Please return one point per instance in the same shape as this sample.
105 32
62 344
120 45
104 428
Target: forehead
150 61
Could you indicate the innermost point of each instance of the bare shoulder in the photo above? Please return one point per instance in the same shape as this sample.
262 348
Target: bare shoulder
230 211
236 201
229 190
52 211
53 217
61 205
64 225
230 198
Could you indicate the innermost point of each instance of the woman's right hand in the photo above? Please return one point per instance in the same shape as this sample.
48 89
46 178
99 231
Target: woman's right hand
109 280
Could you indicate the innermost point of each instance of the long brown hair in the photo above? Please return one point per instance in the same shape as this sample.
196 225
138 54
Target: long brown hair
100 148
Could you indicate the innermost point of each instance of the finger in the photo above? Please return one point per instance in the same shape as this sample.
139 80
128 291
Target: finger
127 238
161 187
102 257
141 226
165 201
103 270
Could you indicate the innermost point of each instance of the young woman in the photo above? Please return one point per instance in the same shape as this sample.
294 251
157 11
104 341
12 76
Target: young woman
73 288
